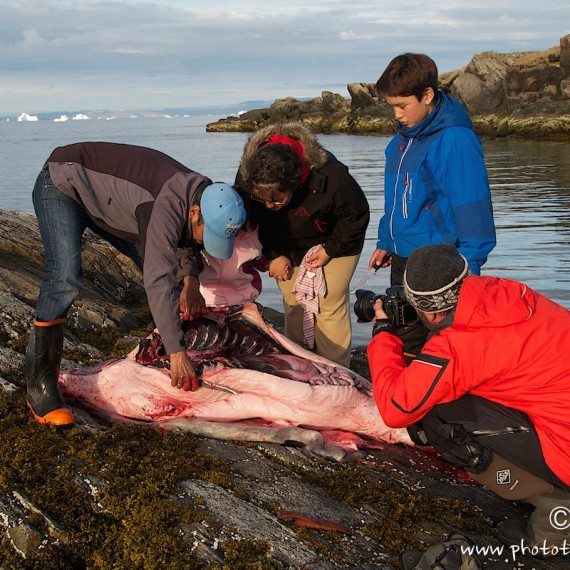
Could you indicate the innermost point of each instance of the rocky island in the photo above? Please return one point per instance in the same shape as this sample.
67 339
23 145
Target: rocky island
523 94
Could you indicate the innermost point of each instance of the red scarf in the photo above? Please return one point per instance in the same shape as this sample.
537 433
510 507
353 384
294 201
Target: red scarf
299 149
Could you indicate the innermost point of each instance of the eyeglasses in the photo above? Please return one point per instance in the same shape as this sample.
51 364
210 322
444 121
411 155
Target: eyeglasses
267 202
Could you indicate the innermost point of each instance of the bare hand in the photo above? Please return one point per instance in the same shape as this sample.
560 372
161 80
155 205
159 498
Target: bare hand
379 310
379 258
280 268
191 302
318 259
182 373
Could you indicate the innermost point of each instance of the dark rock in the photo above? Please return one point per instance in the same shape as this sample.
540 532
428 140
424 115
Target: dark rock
481 87
24 537
362 95
113 284
233 125
565 55
26 540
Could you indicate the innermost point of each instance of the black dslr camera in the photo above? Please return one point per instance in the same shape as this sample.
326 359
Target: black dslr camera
399 311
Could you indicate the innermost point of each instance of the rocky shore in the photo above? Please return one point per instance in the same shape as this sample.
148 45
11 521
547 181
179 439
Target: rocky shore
124 496
523 94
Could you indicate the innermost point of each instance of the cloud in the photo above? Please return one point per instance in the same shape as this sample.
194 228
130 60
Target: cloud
353 36
83 54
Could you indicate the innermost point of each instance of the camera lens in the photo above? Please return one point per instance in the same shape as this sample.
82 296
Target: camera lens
364 305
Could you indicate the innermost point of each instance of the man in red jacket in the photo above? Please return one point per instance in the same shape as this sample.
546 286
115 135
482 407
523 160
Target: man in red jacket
490 390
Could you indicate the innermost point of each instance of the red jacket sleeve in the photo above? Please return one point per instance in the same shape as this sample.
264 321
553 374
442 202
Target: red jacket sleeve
403 394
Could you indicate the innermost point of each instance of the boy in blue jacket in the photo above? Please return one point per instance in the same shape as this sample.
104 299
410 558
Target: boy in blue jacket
436 188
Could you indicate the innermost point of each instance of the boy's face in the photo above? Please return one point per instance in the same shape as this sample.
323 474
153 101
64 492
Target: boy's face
409 111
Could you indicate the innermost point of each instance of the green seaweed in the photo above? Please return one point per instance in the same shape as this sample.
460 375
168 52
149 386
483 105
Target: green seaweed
110 340
131 519
406 513
246 555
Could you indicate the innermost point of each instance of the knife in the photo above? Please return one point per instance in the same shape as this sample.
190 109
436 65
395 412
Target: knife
221 387
385 263
365 278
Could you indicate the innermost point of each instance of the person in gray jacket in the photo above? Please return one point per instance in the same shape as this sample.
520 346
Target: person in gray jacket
151 208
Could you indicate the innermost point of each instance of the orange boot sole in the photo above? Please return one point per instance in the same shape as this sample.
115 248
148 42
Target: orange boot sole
62 417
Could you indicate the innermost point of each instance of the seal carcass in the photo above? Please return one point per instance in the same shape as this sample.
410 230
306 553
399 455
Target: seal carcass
256 385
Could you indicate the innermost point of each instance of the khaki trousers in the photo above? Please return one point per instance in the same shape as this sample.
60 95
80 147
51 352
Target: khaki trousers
333 328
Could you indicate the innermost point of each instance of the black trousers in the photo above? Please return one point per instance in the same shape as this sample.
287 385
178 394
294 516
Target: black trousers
397 269
413 336
467 431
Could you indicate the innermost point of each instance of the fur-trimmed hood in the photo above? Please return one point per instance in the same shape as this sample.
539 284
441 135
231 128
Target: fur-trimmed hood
315 154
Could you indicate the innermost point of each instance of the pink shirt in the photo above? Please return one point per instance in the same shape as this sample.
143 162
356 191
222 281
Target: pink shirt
235 280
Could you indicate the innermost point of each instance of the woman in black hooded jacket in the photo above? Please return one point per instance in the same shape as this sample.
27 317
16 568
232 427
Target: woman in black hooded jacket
301 196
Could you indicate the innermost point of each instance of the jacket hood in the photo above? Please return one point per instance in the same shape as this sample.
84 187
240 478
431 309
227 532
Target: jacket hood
448 112
315 155
493 302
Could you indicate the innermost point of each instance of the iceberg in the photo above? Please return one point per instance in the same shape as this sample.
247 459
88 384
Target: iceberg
80 117
26 117
62 119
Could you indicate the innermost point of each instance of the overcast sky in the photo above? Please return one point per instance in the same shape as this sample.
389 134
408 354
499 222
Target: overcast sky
152 54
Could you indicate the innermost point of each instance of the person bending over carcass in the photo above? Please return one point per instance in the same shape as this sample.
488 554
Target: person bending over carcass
152 209
490 389
312 217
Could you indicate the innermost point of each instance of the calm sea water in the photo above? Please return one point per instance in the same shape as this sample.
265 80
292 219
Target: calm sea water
530 182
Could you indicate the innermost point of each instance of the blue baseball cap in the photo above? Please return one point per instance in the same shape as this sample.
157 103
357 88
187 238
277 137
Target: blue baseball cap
224 215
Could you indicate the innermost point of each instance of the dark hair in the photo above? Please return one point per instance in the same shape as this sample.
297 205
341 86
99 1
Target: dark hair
408 74
274 164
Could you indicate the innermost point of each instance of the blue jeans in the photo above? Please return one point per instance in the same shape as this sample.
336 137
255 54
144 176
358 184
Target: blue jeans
62 222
